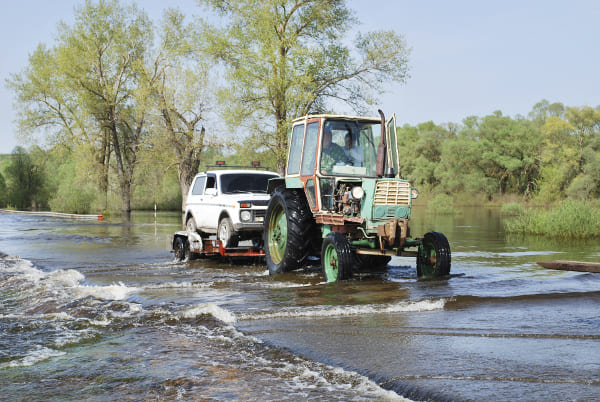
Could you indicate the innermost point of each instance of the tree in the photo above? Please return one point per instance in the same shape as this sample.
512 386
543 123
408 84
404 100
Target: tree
3 191
89 87
181 96
25 180
286 58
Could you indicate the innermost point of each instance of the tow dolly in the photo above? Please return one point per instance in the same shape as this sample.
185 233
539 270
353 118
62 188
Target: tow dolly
188 245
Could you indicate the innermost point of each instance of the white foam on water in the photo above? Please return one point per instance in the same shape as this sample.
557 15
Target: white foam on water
212 309
110 292
179 285
283 285
341 311
304 375
65 278
39 354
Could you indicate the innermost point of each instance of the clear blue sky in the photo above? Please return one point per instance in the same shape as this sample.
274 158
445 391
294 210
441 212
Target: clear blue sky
468 58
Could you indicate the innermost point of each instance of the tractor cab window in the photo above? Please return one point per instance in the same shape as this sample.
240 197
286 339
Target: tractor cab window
295 150
349 148
310 149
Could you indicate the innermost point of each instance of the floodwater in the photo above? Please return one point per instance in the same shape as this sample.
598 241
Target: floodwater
99 311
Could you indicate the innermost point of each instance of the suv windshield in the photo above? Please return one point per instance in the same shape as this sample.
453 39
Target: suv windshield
350 148
245 183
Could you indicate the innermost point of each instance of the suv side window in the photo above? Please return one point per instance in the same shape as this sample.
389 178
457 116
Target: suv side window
198 188
211 181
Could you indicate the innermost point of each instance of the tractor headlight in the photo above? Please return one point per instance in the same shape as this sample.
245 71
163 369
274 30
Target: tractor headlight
358 192
245 216
414 193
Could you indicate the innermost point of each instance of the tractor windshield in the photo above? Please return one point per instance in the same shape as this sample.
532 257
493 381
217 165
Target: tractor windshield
349 148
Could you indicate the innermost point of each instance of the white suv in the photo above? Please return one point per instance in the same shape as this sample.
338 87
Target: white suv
228 203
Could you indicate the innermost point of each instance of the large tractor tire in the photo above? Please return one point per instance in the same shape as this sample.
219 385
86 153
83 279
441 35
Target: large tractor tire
336 257
433 259
289 231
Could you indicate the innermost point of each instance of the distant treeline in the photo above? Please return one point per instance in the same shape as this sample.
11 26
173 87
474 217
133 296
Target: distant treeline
550 155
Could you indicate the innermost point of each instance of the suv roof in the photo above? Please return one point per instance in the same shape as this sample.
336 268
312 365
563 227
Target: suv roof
234 171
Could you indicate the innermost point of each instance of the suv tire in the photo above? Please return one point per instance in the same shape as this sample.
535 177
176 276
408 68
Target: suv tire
226 233
190 225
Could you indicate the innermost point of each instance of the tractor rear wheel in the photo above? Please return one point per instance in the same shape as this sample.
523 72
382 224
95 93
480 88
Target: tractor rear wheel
336 257
289 231
433 259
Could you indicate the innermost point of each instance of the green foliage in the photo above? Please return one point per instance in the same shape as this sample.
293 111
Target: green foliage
3 192
73 194
570 218
285 59
442 204
25 181
512 209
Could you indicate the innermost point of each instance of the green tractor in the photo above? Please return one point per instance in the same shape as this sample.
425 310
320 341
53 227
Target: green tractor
342 199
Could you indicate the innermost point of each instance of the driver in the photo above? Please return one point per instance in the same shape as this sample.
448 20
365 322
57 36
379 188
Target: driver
331 153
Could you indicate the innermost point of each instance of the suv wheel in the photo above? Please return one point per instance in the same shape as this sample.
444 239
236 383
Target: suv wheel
190 225
226 234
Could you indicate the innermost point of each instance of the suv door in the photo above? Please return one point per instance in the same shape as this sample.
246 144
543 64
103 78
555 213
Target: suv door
194 200
208 219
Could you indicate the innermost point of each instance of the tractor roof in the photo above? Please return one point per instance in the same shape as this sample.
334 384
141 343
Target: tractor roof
337 117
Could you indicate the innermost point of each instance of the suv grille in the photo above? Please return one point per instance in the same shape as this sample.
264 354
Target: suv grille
392 192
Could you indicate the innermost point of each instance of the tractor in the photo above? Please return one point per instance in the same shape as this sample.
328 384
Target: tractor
342 199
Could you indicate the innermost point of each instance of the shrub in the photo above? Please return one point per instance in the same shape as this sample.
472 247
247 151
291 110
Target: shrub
512 209
570 218
442 204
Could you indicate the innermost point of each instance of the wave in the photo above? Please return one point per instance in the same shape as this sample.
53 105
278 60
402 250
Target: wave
461 301
39 354
341 311
210 309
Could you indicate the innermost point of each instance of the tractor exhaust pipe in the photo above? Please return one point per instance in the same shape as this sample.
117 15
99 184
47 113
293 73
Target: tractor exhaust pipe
381 149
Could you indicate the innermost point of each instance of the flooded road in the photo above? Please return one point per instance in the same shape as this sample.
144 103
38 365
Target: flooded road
98 310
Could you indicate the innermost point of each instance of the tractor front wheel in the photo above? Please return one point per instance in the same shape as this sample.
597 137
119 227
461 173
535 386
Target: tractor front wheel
336 257
433 259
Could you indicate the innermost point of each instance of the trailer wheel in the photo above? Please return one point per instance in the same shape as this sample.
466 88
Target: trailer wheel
433 259
289 231
336 257
182 249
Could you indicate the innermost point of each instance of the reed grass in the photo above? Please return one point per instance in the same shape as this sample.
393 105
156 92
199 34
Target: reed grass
569 219
512 209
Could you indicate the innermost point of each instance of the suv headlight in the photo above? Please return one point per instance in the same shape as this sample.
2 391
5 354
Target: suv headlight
245 216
